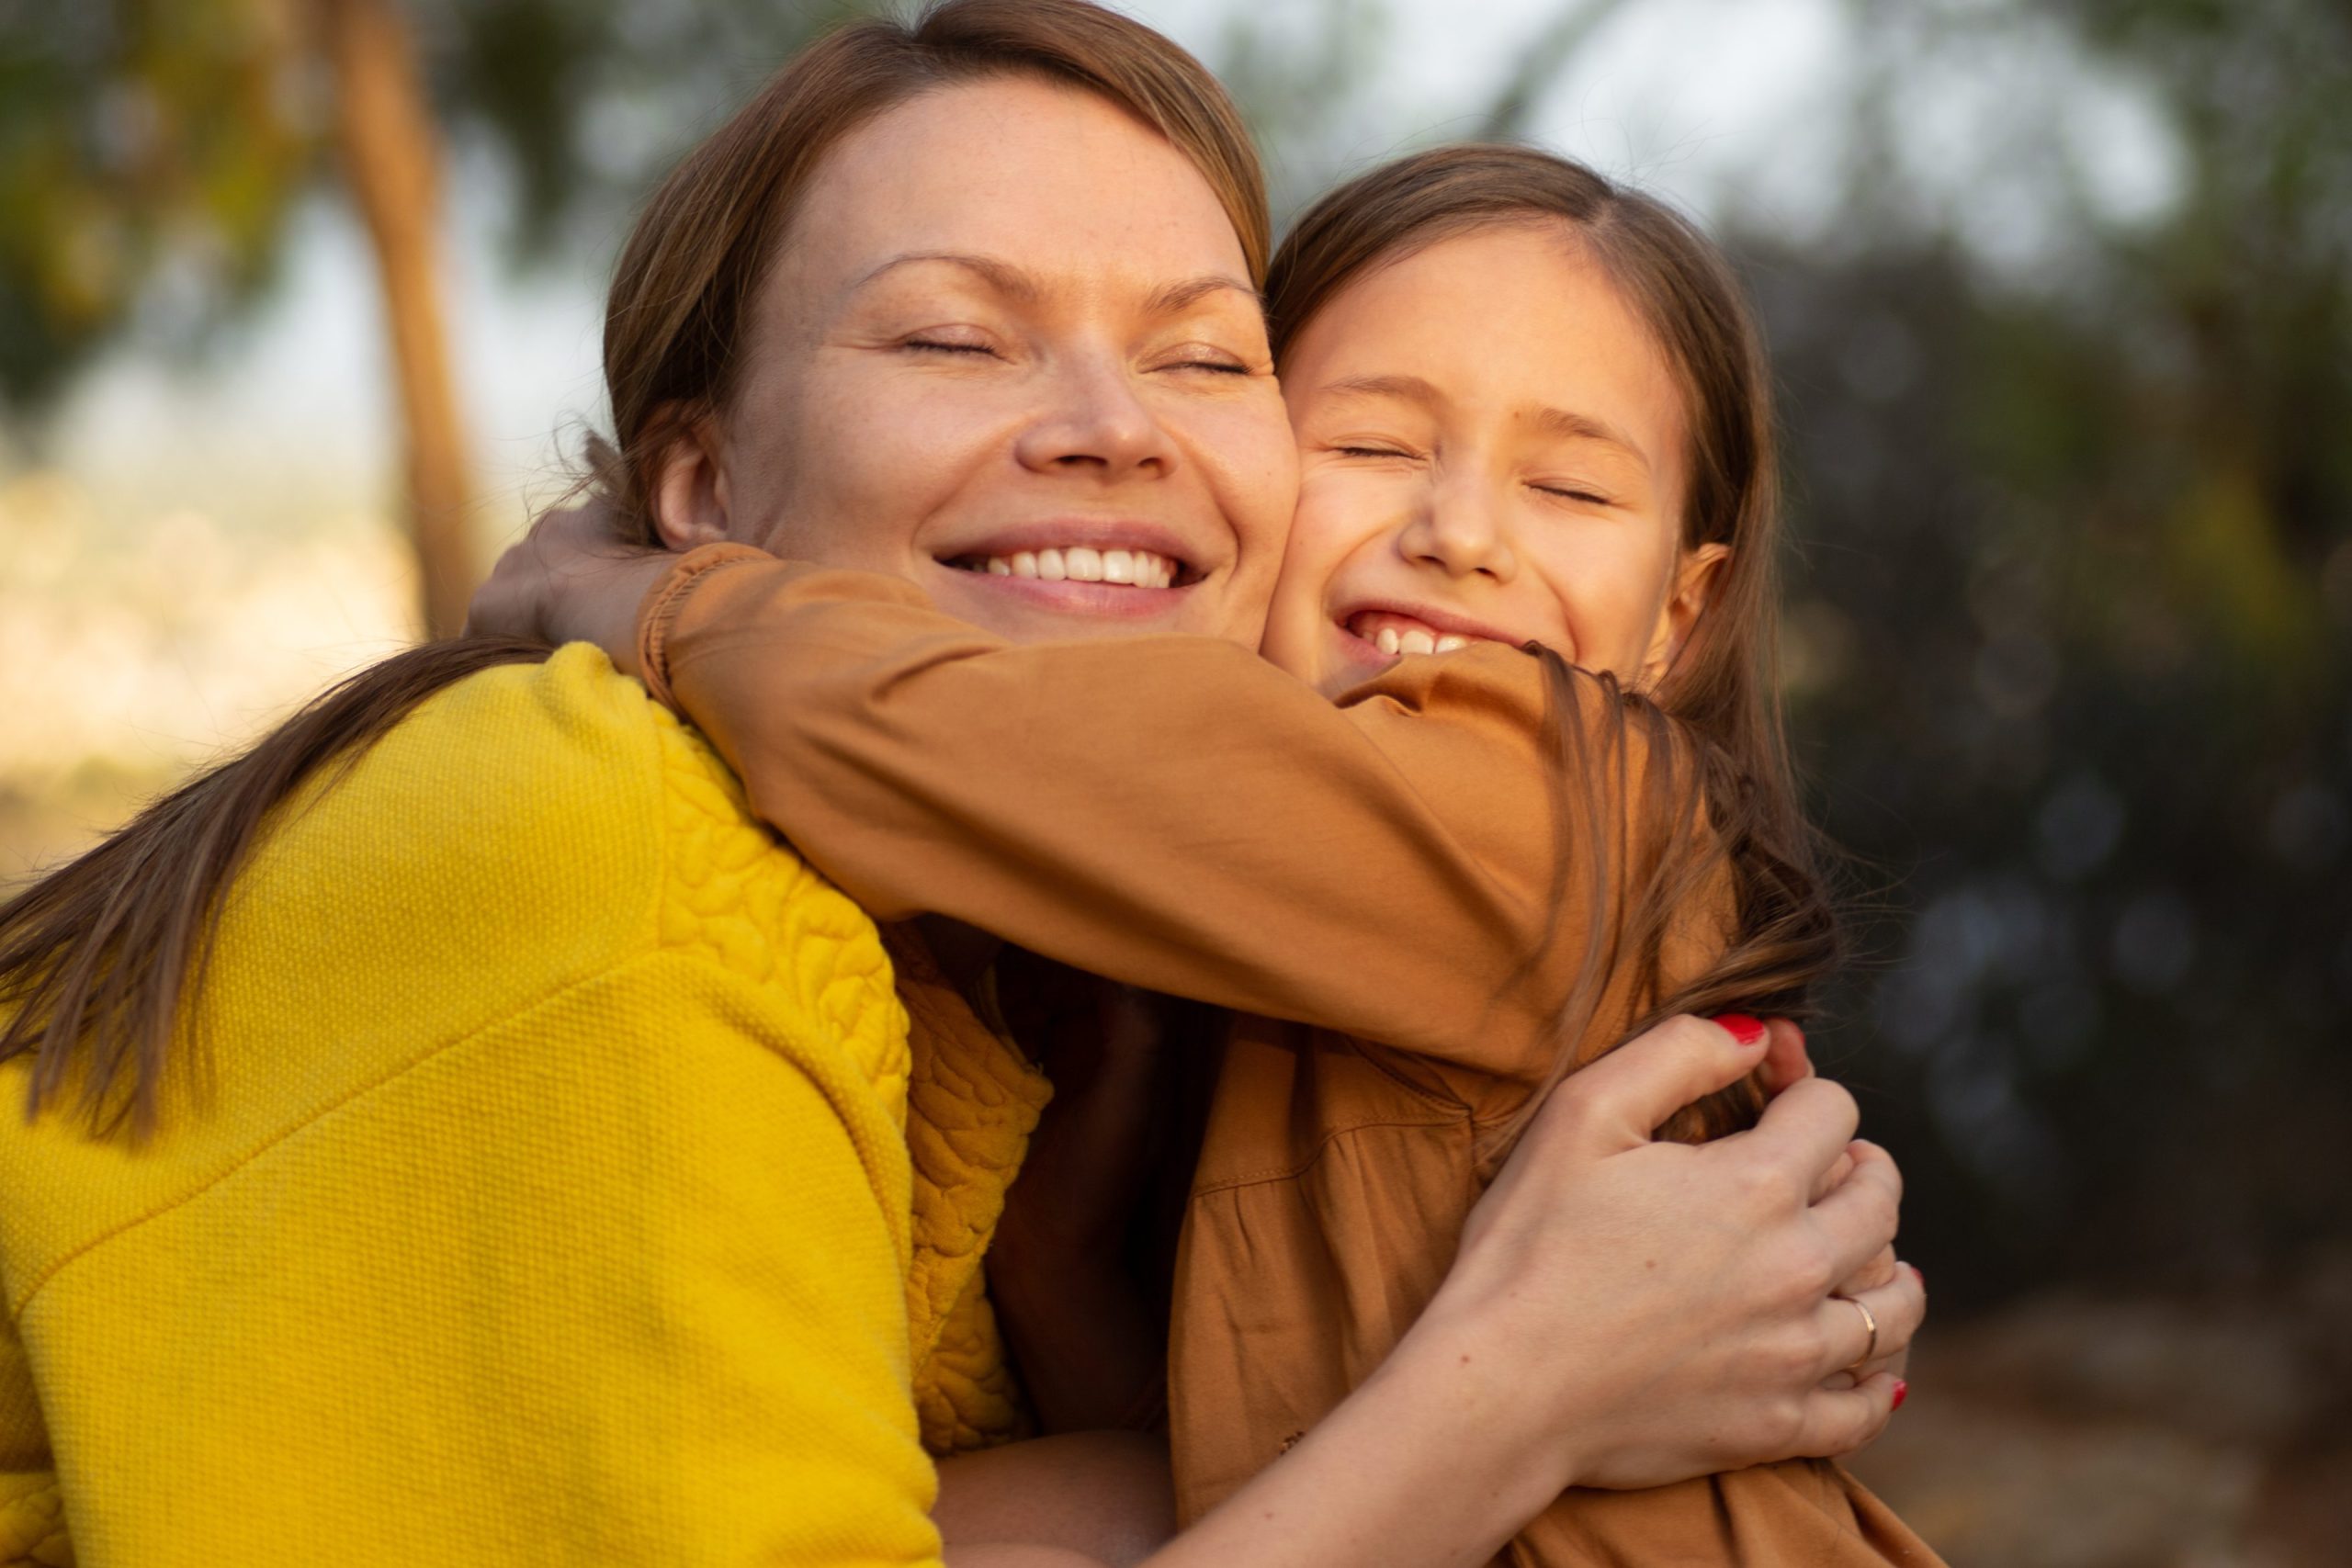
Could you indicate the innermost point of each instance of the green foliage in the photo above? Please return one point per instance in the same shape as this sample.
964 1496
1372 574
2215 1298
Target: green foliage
149 152
2075 629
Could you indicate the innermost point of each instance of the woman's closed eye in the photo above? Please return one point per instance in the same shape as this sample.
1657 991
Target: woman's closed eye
1214 358
948 346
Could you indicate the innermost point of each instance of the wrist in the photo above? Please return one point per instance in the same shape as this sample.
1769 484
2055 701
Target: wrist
1513 1402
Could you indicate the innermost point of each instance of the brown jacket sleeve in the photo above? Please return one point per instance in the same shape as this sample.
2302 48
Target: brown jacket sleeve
1171 812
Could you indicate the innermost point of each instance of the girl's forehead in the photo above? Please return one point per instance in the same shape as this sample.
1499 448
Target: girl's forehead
1515 318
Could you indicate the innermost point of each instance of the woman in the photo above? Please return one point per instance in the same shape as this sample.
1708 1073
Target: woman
524 1178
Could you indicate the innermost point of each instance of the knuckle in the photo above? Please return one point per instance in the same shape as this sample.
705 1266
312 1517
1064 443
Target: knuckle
1683 1034
1813 1271
1783 1425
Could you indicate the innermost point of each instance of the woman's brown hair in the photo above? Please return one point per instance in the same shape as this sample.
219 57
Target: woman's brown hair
1708 745
99 960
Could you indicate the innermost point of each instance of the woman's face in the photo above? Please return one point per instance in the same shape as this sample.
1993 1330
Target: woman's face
1491 447
1010 352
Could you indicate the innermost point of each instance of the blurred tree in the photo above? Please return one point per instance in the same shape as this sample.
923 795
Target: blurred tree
152 152
391 160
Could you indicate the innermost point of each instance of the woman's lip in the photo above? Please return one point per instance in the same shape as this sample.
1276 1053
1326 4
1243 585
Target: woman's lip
1086 533
1096 600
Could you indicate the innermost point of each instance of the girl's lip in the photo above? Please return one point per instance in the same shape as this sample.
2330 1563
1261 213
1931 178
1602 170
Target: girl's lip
1444 623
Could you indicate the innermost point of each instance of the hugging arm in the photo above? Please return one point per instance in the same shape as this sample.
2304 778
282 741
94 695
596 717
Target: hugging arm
1558 1352
1171 812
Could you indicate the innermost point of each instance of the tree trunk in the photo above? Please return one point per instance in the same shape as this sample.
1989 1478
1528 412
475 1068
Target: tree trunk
392 158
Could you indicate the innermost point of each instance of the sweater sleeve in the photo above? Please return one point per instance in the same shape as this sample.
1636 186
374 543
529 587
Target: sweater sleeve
1171 812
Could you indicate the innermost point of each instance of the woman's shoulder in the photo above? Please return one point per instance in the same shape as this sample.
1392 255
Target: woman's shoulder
533 825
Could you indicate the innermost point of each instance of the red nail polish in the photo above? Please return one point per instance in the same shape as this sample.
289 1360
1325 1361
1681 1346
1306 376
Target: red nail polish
1743 1029
1901 1392
1921 1275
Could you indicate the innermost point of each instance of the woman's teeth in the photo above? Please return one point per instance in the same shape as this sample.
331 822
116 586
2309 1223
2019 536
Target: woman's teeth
1136 569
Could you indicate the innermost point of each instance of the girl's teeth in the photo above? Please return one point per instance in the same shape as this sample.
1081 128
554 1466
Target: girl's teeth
1449 642
999 567
1118 566
1416 641
1051 567
1083 564
1024 564
1386 639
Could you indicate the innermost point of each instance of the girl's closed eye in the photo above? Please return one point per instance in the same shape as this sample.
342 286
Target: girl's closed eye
1570 491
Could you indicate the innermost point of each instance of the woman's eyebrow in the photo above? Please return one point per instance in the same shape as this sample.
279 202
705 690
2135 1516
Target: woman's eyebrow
1018 283
999 274
1171 299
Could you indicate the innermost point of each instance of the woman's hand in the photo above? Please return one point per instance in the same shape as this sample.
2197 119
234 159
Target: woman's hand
1701 1276
571 579
1621 1312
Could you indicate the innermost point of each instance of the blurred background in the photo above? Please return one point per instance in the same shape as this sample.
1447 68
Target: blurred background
299 303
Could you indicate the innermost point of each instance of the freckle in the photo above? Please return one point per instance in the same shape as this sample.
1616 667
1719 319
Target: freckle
1465 1361
1649 1262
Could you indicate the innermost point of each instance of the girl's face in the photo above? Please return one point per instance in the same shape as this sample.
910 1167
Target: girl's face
1492 447
1011 351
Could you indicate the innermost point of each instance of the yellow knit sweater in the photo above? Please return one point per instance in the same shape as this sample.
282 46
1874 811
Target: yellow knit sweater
539 1191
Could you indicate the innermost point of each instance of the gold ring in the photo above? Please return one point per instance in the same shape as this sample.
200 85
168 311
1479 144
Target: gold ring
1870 1320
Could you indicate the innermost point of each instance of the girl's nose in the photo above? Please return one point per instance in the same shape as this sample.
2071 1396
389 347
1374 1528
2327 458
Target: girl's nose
1462 531
1092 420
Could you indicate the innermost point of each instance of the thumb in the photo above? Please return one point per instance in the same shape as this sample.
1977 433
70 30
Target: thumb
1619 1102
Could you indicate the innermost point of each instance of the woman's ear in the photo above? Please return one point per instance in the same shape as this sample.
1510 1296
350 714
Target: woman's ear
689 492
1695 578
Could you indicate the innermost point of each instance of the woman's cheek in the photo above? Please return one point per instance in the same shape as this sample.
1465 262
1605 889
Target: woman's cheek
1253 466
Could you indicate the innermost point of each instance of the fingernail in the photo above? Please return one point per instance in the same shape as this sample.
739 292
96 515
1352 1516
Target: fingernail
1901 1392
1743 1029
1920 1274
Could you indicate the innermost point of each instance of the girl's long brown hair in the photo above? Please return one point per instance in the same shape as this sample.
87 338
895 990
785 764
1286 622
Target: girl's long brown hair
100 959
1676 791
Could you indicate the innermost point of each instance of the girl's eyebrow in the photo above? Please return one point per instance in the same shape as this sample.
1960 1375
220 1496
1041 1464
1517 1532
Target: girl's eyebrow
1411 389
1584 428
1551 421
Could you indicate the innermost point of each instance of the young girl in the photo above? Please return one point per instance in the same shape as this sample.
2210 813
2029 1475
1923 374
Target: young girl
1531 564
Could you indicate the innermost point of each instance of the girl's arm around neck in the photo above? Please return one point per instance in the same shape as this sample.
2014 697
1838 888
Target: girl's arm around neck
1171 812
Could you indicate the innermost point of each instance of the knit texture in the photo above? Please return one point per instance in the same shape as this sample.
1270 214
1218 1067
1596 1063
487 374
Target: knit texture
536 1189
974 1101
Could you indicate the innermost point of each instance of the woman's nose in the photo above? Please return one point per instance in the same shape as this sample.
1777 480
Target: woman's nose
1462 531
1094 421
